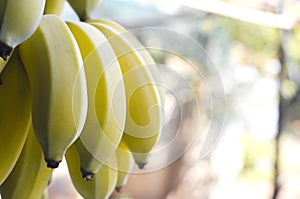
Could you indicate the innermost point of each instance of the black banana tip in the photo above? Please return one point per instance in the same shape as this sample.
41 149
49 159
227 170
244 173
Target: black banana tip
141 165
87 174
5 50
118 189
52 163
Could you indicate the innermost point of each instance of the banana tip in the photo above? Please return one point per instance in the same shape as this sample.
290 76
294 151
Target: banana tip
5 50
141 165
52 163
87 174
118 189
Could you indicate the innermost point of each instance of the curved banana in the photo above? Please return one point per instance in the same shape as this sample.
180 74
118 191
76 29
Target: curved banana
18 21
83 8
30 176
54 65
102 184
136 44
54 6
143 115
15 114
105 121
125 165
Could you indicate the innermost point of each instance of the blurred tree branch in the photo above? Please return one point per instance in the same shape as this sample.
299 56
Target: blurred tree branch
282 107
280 21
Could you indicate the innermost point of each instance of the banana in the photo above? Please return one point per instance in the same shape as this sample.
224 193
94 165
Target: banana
83 8
54 65
54 6
125 165
15 114
150 63
29 178
18 21
102 184
143 114
105 121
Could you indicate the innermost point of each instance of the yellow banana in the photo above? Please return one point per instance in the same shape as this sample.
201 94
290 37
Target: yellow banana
18 21
54 65
125 165
30 176
102 184
83 8
105 121
15 114
136 44
54 6
144 114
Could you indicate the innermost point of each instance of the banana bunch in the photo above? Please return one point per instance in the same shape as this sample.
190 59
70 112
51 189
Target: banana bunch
84 90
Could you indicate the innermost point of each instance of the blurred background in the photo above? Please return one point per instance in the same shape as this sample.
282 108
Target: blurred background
239 93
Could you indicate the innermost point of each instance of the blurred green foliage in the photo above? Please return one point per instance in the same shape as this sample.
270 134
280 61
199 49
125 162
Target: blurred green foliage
261 42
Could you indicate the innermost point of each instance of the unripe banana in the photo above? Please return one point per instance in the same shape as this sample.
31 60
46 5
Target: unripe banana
15 114
144 114
102 184
83 8
125 165
18 21
54 65
54 6
30 176
105 121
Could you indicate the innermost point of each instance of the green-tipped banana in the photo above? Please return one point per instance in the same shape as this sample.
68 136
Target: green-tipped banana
125 165
83 8
144 114
15 114
18 21
102 184
54 65
105 121
54 6
30 176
